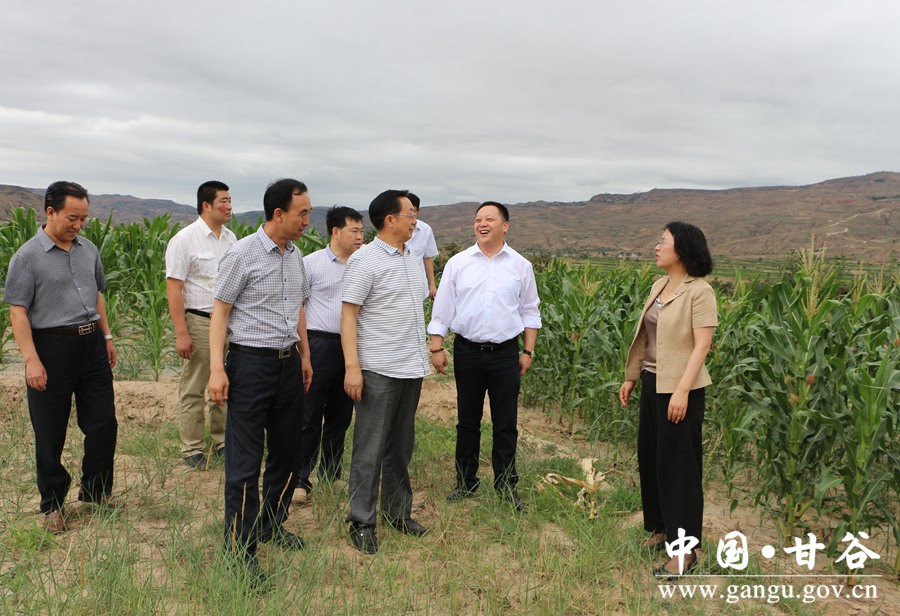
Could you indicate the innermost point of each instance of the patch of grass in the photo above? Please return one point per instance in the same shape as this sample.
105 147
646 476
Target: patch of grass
163 553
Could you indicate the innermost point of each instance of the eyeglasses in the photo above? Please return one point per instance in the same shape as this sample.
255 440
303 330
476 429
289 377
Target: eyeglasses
408 214
662 242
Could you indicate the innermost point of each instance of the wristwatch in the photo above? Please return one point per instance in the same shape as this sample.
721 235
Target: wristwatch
528 353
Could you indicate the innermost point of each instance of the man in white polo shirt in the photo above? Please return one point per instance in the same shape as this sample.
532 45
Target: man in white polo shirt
192 259
383 337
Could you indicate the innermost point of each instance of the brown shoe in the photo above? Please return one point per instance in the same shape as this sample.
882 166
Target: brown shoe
55 522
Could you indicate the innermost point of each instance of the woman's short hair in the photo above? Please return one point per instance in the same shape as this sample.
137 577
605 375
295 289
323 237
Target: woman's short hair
691 248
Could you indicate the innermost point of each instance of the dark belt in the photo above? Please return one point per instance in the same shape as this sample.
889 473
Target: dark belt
489 347
74 330
327 335
264 352
199 313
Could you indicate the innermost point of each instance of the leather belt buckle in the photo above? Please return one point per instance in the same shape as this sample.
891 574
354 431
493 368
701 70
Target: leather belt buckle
84 330
284 353
486 348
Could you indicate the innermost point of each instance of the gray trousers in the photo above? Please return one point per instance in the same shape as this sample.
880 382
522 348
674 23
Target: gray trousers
383 440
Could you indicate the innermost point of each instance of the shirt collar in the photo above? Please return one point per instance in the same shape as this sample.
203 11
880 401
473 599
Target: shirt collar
203 224
268 244
476 250
387 247
330 254
47 244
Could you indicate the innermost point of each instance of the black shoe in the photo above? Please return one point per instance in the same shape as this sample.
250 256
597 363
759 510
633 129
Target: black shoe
408 527
106 501
248 565
512 497
285 540
664 574
198 460
258 577
461 492
363 538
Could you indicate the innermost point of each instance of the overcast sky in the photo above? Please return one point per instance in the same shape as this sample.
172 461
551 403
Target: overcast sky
512 100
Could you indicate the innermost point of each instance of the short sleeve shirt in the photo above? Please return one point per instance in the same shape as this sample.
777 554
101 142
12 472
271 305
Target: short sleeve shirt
266 289
193 256
422 244
387 286
56 287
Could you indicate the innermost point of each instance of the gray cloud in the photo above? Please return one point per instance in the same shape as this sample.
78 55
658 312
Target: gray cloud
509 100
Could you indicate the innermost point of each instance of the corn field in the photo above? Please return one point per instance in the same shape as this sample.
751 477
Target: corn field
802 416
134 263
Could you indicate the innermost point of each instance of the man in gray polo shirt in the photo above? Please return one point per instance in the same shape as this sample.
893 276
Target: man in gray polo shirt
383 338
59 322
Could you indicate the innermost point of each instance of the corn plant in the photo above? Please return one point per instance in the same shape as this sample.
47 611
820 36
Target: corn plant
729 419
588 319
21 227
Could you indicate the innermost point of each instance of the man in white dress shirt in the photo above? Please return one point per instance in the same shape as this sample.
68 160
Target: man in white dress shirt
488 298
423 246
328 409
192 259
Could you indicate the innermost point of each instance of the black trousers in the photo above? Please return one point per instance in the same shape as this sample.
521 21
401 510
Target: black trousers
670 460
496 373
265 405
327 412
76 365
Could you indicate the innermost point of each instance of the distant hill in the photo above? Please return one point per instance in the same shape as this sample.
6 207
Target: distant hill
316 218
855 217
124 208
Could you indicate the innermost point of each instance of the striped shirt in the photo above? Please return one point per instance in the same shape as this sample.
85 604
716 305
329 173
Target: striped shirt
422 245
193 256
323 307
56 287
387 286
486 299
266 288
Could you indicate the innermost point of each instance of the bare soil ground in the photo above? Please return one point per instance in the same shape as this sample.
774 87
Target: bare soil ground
148 402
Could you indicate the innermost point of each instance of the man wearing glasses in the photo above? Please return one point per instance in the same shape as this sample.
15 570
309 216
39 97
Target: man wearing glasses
383 337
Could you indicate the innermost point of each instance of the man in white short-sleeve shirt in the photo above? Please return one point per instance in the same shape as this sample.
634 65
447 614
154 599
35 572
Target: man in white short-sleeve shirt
423 246
192 259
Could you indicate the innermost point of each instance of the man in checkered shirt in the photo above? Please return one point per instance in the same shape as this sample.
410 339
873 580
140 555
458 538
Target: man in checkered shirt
260 288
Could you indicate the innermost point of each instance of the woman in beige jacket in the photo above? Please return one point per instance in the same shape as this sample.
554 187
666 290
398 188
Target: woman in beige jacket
668 352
